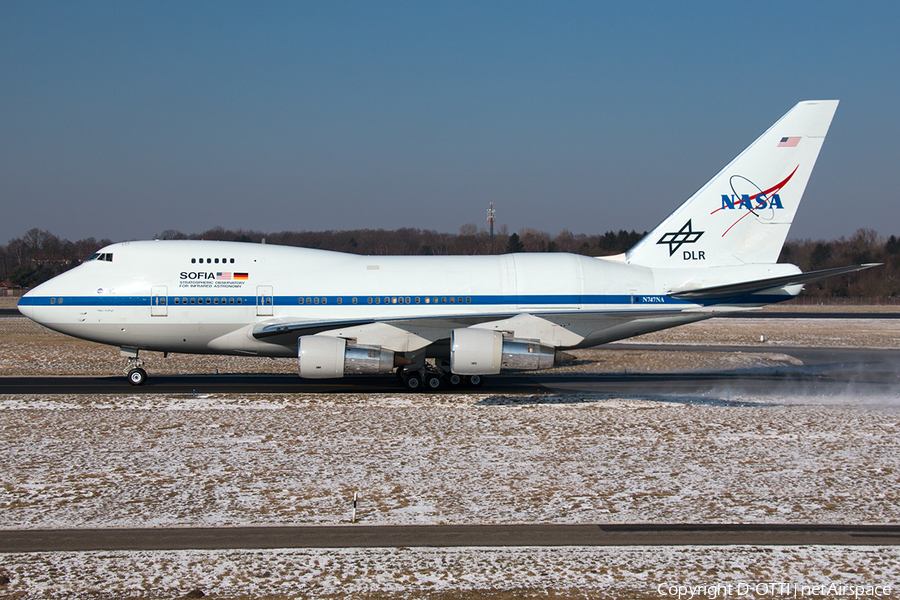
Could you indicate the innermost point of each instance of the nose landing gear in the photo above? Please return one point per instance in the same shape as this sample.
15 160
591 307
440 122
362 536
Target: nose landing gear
136 374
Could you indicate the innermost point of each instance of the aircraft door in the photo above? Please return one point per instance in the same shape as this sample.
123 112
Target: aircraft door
158 304
265 301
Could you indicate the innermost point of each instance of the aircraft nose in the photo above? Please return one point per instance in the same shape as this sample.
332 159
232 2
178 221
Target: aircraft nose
29 304
25 309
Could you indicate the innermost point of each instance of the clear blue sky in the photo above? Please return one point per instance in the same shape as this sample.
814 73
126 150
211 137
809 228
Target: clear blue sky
123 119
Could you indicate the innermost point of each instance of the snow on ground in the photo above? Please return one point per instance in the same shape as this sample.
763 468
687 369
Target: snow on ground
567 572
157 460
95 461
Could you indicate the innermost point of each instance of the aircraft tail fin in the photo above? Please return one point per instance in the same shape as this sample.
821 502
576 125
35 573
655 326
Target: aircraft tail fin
743 214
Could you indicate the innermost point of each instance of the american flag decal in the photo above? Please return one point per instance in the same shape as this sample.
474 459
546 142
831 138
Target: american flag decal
789 142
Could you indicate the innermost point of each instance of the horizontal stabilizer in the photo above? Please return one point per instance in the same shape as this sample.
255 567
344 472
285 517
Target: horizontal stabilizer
735 290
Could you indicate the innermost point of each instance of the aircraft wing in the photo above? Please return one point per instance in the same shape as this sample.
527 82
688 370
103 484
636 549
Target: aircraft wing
736 290
287 331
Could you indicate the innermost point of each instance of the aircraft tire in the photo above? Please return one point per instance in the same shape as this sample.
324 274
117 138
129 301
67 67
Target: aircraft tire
413 383
137 376
454 380
475 380
433 382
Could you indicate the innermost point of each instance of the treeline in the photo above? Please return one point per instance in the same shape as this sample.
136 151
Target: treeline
865 246
38 255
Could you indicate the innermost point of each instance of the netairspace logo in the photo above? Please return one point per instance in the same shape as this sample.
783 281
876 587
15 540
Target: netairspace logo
773 589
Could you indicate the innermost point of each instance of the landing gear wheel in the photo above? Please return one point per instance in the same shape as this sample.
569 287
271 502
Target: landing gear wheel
475 380
433 381
413 383
454 380
137 376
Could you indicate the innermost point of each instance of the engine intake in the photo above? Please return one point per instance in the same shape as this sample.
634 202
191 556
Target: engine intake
322 357
486 352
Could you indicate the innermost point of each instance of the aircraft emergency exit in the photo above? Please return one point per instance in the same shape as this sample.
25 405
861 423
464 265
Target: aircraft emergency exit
453 319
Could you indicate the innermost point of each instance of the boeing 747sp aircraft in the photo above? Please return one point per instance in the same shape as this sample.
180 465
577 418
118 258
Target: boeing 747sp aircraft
452 320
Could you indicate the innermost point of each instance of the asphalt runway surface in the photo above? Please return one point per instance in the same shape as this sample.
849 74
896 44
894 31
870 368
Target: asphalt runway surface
824 371
445 536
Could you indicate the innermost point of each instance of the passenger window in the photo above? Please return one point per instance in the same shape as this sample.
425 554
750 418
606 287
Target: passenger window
299 300
217 261
309 300
232 261
354 300
231 301
315 300
193 300
339 300
216 301
370 300
193 261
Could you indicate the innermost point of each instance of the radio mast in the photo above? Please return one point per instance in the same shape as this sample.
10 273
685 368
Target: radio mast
491 214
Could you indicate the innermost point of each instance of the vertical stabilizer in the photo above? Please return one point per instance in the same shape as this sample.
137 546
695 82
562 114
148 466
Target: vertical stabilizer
743 214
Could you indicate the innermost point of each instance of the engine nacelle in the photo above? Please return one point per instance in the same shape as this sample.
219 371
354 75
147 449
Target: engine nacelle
475 351
322 357
486 352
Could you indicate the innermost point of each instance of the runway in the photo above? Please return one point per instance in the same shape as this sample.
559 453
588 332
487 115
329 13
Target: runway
824 371
446 536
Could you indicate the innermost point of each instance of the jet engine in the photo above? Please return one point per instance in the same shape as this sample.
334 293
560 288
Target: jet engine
322 357
486 352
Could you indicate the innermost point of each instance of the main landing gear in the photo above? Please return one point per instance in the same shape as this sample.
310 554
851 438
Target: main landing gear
431 378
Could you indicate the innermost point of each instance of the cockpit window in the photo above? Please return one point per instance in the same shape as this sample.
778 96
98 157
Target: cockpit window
106 256
94 256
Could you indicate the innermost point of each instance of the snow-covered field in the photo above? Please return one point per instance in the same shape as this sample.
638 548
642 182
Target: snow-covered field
148 460
468 573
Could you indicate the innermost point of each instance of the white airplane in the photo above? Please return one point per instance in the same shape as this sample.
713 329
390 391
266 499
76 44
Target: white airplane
451 319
